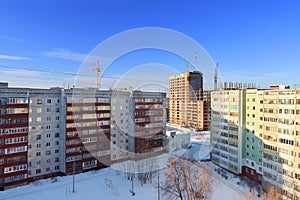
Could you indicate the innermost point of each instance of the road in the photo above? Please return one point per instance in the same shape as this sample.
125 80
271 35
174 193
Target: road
192 151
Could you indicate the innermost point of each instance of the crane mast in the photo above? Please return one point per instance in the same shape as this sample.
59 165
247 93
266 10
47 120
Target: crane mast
97 69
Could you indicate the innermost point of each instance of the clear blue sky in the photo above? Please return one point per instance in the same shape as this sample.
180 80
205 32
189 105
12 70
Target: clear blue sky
253 40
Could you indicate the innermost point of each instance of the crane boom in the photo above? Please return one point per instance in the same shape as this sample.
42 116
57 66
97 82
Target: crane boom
192 61
97 69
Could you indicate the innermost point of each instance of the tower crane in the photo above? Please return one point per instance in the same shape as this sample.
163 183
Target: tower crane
97 69
192 61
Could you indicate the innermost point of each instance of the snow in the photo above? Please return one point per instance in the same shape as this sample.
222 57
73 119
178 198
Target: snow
111 184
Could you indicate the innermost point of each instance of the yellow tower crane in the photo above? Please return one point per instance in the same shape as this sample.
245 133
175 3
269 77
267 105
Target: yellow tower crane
97 69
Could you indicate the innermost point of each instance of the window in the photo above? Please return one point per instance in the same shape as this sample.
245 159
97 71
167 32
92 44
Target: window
48 118
56 135
38 154
56 167
56 150
39 119
48 135
38 146
38 171
48 169
48 144
48 152
39 101
48 161
49 101
48 109
48 127
39 110
38 162
38 137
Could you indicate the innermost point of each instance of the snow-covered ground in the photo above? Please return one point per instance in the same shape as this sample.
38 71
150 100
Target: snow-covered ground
94 185
111 184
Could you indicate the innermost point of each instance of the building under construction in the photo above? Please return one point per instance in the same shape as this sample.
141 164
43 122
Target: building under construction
186 99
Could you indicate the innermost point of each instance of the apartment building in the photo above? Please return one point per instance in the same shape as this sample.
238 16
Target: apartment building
46 146
87 129
50 132
186 99
252 164
227 128
270 129
14 106
150 123
280 132
206 109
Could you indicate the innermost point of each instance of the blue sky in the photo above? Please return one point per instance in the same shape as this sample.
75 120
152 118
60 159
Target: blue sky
257 40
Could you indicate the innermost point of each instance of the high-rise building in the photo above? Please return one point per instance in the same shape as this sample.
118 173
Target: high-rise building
14 106
186 99
46 146
206 109
50 132
87 129
256 134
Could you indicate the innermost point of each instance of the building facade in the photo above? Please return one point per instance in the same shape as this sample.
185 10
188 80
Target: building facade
186 99
268 139
50 132
14 107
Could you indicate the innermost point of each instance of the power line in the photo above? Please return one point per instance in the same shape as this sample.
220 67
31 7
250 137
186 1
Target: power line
76 74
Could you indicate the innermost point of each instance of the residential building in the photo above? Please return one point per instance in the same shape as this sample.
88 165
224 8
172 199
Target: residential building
87 129
46 141
50 132
150 124
14 106
206 109
186 99
265 137
227 128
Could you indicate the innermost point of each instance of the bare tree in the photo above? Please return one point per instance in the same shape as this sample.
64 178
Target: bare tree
186 180
271 194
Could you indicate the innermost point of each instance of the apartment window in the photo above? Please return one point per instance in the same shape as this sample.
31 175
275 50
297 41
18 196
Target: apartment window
38 154
29 164
39 101
58 101
56 167
57 110
48 169
38 171
48 161
48 152
49 101
29 172
48 144
38 162
38 145
38 137
48 135
39 110
56 150
56 135
48 110
48 118
48 127
39 119
56 159
57 118
57 143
